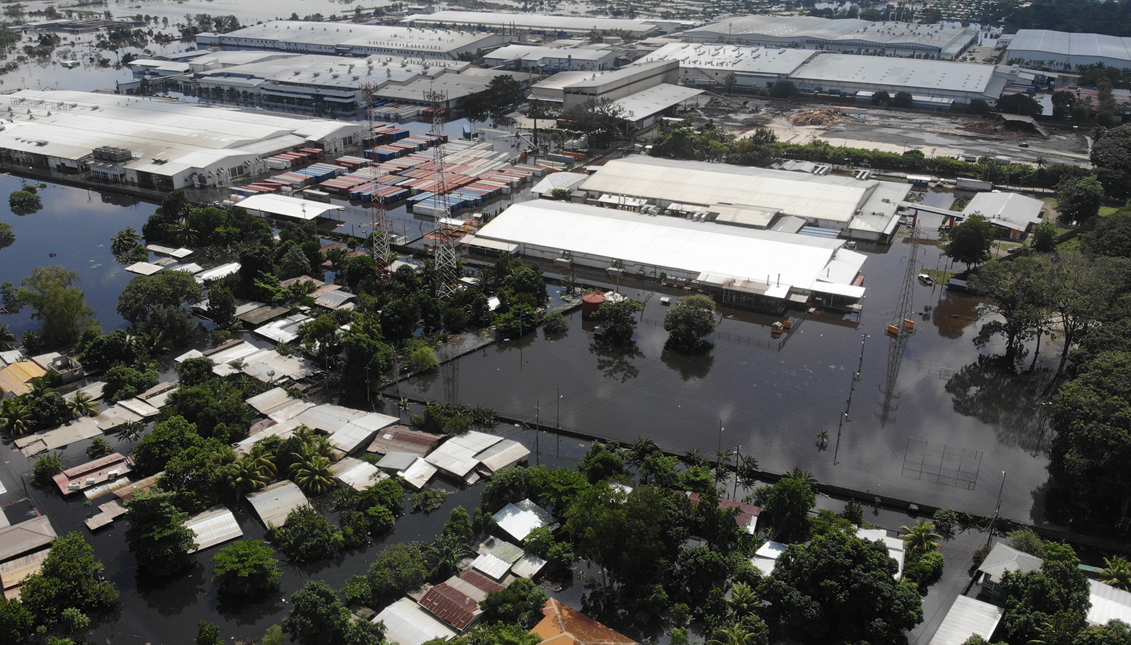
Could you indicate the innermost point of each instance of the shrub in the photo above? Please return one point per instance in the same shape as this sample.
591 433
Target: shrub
555 323
306 536
246 568
945 522
423 359
46 467
428 500
925 570
98 448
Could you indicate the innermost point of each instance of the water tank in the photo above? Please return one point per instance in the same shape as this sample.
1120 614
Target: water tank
590 303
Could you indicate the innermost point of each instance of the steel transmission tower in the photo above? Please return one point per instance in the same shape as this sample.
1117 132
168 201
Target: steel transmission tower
382 253
898 342
447 270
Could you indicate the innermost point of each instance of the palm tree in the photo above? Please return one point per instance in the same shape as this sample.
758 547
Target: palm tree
445 554
262 460
125 241
1117 573
803 475
823 437
921 538
734 635
743 599
184 234
15 417
7 338
131 431
82 404
643 447
246 476
312 474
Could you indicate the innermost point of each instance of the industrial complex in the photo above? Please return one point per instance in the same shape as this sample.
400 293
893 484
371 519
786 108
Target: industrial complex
552 58
352 39
150 143
1065 51
944 40
751 197
760 67
514 23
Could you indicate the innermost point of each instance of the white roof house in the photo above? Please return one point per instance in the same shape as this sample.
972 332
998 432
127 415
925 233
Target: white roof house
896 549
406 623
1009 211
357 474
518 520
966 618
418 473
457 455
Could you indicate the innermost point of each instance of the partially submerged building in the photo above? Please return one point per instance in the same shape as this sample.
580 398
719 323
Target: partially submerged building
550 59
152 143
745 267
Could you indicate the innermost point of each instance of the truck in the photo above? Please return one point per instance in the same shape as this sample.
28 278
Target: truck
963 183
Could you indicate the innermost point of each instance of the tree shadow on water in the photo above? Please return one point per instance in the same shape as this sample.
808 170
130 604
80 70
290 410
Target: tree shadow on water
615 361
171 595
693 361
1015 404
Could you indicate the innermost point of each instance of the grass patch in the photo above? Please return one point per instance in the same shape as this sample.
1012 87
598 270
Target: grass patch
1108 210
940 276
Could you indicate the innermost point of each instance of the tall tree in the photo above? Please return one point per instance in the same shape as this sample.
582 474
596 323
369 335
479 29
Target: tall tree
60 305
160 301
318 617
1079 200
69 577
788 507
841 587
692 318
1018 301
157 535
1080 291
970 241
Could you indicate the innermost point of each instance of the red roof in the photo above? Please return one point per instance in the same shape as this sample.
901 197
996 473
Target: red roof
451 606
746 512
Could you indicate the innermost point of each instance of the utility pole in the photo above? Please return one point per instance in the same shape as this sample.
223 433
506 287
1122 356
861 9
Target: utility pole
852 389
558 423
538 433
737 460
997 511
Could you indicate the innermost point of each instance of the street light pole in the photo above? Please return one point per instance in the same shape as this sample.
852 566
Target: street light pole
997 511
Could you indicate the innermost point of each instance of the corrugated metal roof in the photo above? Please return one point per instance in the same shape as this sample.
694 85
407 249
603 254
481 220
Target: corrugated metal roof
480 581
282 430
328 418
771 550
275 502
503 454
1108 603
451 606
457 454
733 58
528 566
91 473
18 539
270 401
654 100
358 431
896 73
77 430
518 520
356 473
1009 210
407 624
402 439
14 378
1004 558
966 618
398 460
13 572
418 474
542 21
490 565
214 526
287 206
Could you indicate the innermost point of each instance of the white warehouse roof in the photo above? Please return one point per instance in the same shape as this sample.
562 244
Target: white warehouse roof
576 24
1062 44
331 36
1008 210
732 58
538 53
897 74
406 623
797 261
966 618
1108 603
284 206
826 198
654 100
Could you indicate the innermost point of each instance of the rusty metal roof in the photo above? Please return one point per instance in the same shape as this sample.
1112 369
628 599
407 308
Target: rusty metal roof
451 606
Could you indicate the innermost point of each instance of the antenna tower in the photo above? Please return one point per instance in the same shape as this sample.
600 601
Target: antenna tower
445 253
898 342
382 253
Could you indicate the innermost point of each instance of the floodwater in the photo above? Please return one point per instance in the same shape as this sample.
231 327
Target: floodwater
932 421
73 229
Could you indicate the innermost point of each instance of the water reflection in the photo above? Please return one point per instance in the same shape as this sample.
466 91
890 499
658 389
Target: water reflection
615 361
694 363
953 314
170 596
991 391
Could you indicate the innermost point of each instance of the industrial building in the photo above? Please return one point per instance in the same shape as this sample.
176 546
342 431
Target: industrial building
942 41
348 39
513 23
320 84
553 59
1012 215
751 197
707 64
151 143
1067 51
959 82
745 267
620 83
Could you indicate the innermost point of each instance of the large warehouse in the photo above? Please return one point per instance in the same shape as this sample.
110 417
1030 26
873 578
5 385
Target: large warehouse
353 40
744 267
530 22
153 144
709 64
1064 51
864 210
552 59
327 85
945 41
961 82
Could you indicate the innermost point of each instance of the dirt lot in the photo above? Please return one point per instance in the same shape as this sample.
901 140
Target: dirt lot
898 131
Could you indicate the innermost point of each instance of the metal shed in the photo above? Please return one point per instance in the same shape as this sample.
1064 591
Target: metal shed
966 618
356 473
418 474
518 520
407 624
212 527
402 439
491 566
501 455
18 539
359 431
457 455
328 418
275 502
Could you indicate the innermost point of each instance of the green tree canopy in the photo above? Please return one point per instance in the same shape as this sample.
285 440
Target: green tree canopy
318 617
306 536
521 604
971 240
1079 200
60 305
788 507
399 569
157 535
618 320
840 587
1019 104
1018 301
69 577
1113 149
692 318
246 568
